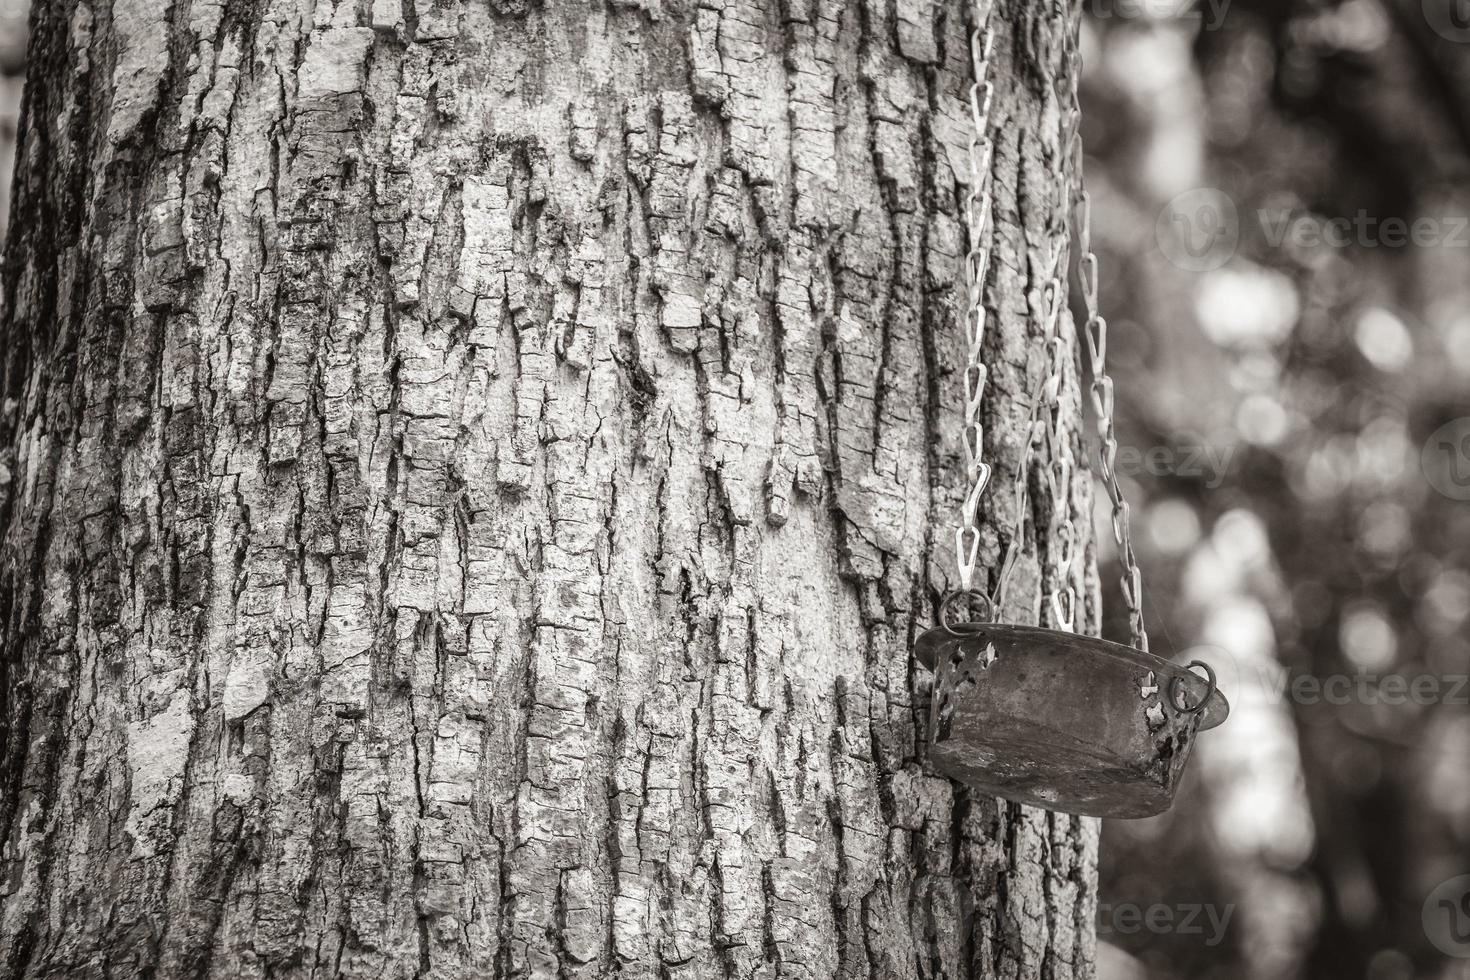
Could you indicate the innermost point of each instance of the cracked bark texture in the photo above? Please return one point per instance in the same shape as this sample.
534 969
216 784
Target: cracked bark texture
472 472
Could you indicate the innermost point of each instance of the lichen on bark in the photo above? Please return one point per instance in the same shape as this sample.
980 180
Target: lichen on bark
472 473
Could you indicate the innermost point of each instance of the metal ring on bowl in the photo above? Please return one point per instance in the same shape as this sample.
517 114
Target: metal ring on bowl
1174 689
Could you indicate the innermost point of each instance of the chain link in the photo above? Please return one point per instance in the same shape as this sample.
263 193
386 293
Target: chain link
1095 334
977 266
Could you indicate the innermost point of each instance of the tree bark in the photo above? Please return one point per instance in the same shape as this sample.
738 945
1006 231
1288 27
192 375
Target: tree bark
473 472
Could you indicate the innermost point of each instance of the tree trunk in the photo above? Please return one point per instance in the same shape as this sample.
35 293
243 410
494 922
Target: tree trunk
473 472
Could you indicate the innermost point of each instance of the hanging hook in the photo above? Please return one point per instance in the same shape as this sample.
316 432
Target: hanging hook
973 595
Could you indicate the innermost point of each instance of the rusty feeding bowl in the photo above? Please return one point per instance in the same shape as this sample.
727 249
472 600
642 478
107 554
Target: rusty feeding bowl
1066 722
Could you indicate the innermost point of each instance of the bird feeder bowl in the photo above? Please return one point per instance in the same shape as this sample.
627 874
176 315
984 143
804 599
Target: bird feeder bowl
1062 721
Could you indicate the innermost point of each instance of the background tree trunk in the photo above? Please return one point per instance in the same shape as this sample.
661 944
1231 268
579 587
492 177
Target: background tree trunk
473 472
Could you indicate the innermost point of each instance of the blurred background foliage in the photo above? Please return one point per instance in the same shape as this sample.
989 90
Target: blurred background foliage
1287 384
13 15
1277 389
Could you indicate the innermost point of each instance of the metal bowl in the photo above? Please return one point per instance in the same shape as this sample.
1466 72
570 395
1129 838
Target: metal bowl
1062 721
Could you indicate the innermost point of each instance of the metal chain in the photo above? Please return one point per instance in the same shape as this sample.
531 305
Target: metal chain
1046 397
1042 396
1047 394
1096 336
977 266
1062 599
